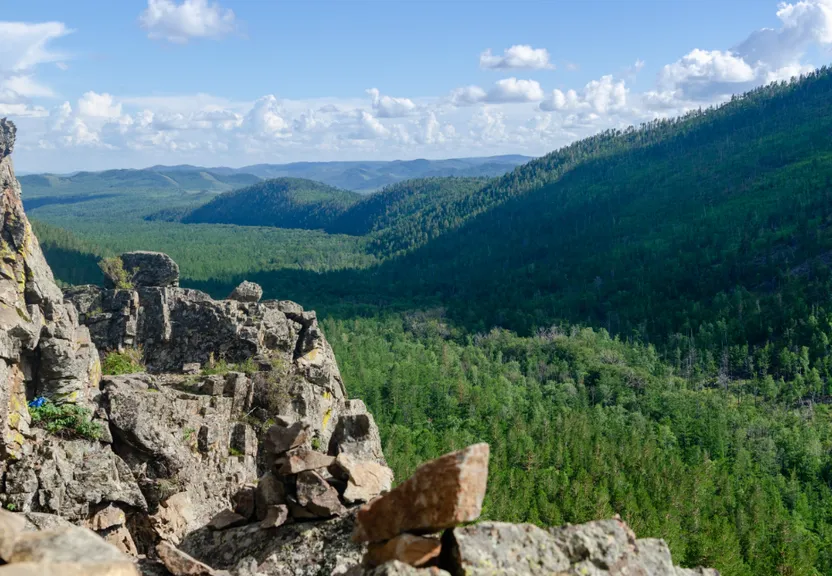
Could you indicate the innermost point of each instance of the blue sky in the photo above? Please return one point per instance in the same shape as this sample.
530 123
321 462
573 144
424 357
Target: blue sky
102 84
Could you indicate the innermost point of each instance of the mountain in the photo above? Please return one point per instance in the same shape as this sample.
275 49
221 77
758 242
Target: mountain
89 182
280 202
368 176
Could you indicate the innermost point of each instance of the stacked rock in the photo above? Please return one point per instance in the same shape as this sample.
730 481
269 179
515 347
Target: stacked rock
304 483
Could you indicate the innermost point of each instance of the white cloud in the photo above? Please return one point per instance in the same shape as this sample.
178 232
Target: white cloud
518 57
178 23
467 95
514 90
265 119
24 46
389 107
598 96
94 105
369 128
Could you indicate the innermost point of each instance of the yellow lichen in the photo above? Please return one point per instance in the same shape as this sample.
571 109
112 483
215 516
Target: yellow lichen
327 416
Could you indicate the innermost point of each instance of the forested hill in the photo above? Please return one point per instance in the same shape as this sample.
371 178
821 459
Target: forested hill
281 202
91 182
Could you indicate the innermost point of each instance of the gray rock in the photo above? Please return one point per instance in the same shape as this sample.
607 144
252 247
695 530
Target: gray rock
397 568
180 564
281 439
247 292
365 480
226 519
270 492
8 132
11 527
151 269
301 460
275 516
358 436
500 548
317 496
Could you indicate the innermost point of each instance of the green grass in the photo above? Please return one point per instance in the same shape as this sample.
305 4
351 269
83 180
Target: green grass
66 420
127 362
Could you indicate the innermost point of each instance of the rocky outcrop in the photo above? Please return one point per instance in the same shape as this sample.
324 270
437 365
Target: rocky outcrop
43 349
150 269
247 292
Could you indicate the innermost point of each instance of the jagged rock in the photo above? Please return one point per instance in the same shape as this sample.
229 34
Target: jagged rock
317 496
226 519
600 543
121 538
174 517
40 521
275 516
408 548
301 549
365 480
151 269
70 544
302 460
111 315
247 292
71 477
441 494
11 527
269 492
397 568
180 564
281 439
356 434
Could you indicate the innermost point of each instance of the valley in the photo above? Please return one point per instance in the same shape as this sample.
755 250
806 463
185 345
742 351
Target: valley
638 323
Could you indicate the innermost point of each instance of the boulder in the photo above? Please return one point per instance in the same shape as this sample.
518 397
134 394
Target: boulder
69 544
408 548
441 494
244 501
226 519
317 496
356 434
302 460
151 269
180 564
500 548
269 492
247 292
281 439
11 527
69 569
275 516
365 480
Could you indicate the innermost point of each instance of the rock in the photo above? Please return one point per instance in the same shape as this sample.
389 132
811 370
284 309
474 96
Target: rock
121 538
275 516
8 132
247 292
396 568
317 496
226 519
106 518
151 269
301 460
602 543
501 548
441 494
174 517
11 527
244 502
269 492
365 480
357 435
281 439
68 569
299 549
70 544
408 548
180 564
191 368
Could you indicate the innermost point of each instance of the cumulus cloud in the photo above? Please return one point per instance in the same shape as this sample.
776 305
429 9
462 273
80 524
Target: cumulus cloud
765 55
389 107
265 119
598 97
507 90
368 128
179 23
94 105
518 57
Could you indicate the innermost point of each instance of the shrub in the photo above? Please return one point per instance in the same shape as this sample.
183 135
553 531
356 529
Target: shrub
66 420
127 362
113 269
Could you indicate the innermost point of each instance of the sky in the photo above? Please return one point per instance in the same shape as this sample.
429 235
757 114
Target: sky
102 84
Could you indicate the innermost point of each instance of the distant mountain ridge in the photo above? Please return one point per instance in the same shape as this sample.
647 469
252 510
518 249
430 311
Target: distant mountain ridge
357 176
